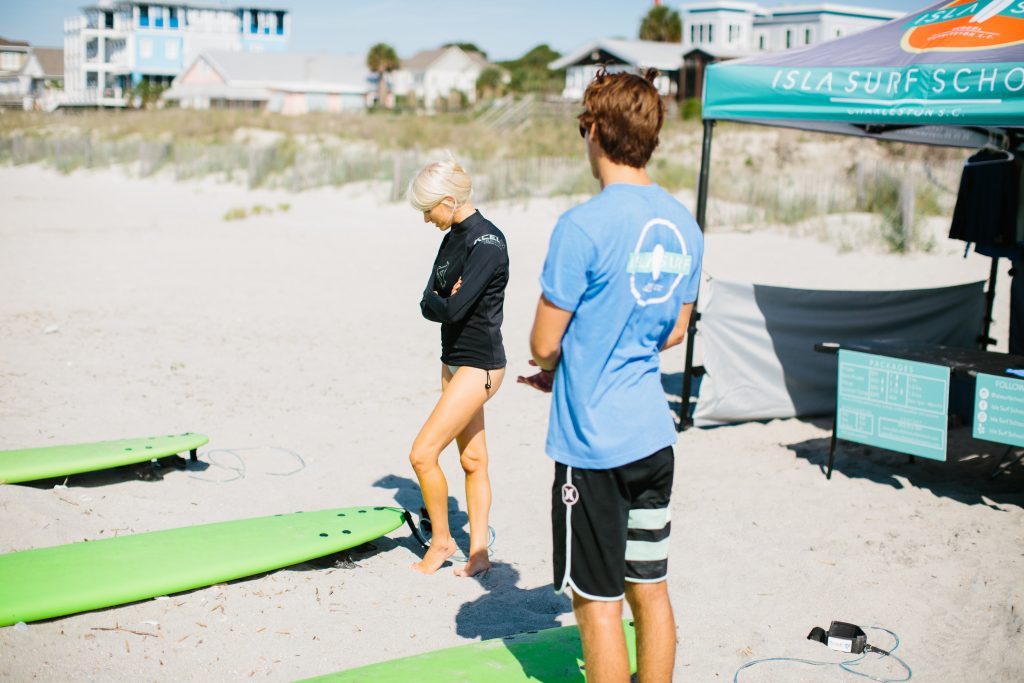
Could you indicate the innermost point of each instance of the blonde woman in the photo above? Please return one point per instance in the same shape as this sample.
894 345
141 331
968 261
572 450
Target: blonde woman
465 293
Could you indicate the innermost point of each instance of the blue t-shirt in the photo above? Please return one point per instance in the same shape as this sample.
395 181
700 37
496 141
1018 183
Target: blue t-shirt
623 263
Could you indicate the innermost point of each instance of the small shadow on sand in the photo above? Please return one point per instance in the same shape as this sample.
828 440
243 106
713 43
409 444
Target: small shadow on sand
154 470
973 471
506 609
347 559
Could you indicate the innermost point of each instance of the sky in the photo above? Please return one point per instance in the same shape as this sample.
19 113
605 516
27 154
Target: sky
504 30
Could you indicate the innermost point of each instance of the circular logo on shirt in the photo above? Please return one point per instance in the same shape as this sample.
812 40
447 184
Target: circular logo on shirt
658 263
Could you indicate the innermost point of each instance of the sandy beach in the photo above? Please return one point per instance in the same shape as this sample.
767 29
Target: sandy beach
294 340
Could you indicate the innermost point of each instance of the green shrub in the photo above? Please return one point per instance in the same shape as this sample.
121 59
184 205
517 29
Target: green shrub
691 109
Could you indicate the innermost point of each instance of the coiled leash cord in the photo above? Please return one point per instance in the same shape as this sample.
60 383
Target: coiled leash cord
844 665
422 533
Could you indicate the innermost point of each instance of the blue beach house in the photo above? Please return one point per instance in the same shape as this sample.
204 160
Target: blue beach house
115 45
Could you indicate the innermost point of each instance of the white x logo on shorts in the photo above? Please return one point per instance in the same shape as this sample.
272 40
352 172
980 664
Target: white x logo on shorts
570 495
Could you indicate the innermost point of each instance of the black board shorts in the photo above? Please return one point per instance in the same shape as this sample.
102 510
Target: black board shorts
612 526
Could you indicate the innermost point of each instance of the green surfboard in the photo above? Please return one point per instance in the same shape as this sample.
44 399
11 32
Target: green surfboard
53 582
30 464
554 655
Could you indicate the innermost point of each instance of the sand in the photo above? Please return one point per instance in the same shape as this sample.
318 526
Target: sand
293 339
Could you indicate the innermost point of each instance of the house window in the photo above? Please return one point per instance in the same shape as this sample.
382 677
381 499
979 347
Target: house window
693 34
146 48
171 49
9 61
143 16
173 20
711 35
108 20
807 36
254 22
760 42
158 21
839 33
789 39
701 33
280 23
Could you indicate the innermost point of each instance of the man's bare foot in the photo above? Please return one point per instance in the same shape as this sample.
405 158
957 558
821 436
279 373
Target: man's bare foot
478 564
437 554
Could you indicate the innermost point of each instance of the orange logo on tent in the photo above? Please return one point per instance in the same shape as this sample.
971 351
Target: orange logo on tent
967 25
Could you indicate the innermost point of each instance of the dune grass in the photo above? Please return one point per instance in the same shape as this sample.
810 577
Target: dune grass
768 176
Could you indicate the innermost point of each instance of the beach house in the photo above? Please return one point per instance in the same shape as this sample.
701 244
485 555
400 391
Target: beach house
115 45
434 77
620 55
286 83
30 77
14 55
717 30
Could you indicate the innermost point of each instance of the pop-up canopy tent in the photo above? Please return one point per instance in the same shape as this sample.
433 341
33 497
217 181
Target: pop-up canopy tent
950 75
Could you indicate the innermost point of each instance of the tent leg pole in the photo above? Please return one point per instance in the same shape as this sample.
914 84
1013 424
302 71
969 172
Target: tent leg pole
685 421
832 446
990 300
705 170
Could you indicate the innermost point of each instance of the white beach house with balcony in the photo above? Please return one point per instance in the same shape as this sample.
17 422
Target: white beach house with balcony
746 28
715 30
115 45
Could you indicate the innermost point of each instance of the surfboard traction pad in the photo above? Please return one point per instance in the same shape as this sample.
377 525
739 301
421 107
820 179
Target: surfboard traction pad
30 464
551 655
57 581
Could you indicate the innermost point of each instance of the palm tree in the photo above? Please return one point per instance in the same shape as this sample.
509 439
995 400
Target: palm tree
381 59
663 25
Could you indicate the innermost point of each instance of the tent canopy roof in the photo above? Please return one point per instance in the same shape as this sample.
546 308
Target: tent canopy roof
951 74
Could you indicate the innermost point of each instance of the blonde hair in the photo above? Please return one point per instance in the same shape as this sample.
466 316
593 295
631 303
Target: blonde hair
439 180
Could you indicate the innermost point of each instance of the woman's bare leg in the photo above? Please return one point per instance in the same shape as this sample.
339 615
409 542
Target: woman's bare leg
473 457
462 396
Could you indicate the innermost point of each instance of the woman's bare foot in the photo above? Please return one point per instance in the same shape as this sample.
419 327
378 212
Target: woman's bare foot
437 554
478 564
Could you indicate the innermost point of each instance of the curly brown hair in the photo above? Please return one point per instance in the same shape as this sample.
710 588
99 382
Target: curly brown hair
628 113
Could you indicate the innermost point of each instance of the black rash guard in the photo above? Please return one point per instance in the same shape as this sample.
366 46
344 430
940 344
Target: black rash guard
475 251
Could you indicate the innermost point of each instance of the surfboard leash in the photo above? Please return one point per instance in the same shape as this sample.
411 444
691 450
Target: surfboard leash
414 529
423 541
845 638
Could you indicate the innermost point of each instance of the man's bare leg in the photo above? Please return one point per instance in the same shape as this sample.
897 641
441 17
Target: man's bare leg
655 631
604 643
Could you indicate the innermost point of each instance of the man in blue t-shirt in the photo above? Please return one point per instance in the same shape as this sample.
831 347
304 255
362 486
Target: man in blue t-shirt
618 285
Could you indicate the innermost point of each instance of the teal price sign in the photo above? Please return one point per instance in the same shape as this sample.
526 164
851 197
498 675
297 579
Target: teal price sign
999 409
892 403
